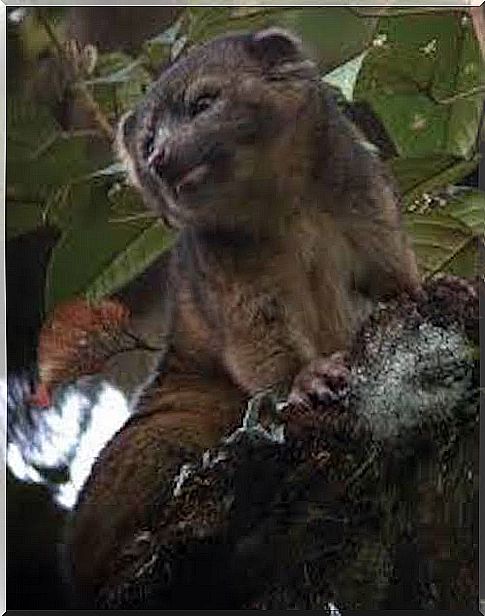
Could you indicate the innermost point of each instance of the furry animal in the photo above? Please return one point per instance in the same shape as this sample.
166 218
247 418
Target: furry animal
289 232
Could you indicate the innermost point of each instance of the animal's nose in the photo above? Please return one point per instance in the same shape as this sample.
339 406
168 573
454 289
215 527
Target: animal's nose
158 161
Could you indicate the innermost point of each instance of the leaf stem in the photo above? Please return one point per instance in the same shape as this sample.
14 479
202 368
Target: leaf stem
459 96
133 218
442 266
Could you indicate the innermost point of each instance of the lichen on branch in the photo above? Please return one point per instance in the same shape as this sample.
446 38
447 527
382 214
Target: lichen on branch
356 505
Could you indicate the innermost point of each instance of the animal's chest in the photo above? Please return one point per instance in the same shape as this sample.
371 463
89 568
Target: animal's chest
299 293
290 298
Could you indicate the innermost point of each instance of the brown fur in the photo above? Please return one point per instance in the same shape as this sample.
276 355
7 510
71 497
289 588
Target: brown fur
283 247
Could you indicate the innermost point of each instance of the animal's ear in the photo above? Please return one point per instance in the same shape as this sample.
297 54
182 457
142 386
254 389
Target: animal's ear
275 46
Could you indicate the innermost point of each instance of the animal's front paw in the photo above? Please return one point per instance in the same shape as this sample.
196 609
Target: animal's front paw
323 382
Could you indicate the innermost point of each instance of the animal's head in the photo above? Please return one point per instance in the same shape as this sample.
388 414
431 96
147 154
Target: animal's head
219 126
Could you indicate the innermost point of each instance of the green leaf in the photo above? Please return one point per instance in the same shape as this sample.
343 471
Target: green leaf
25 214
120 83
424 79
333 35
121 75
204 23
437 240
42 163
159 49
29 125
168 36
429 174
345 77
447 241
143 250
96 254
113 62
41 157
126 202
468 206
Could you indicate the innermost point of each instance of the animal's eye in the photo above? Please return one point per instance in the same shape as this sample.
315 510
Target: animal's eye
202 103
149 146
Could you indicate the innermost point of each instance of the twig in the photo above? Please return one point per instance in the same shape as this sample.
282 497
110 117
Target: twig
92 107
50 33
44 147
83 94
133 218
12 195
56 198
